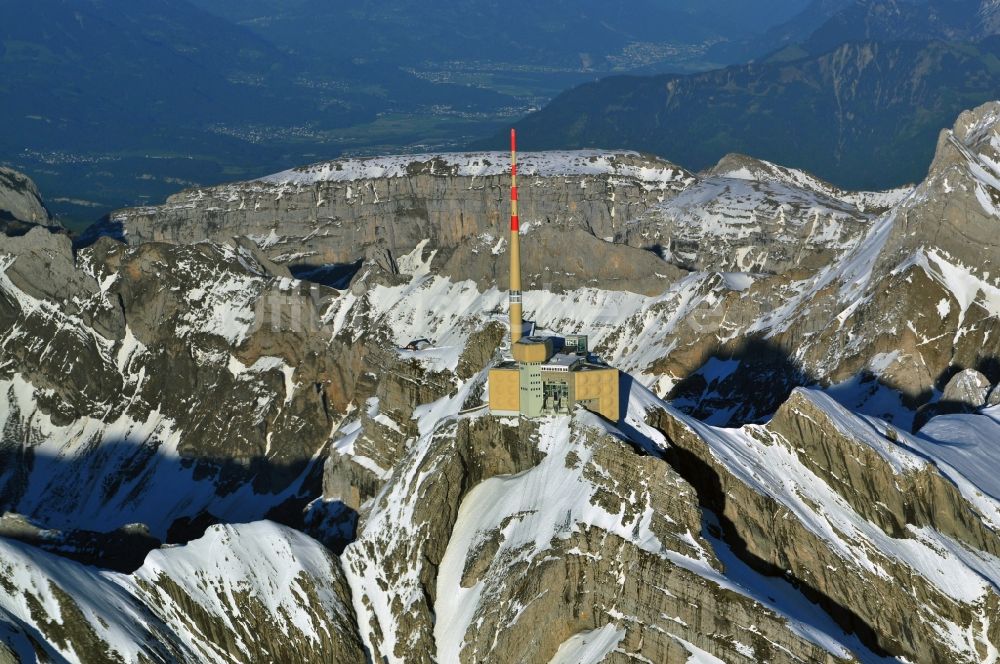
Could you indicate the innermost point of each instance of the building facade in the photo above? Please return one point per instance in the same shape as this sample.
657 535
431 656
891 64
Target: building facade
553 385
547 375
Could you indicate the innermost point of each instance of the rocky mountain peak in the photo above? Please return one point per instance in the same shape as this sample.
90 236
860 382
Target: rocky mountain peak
973 125
21 205
744 167
955 212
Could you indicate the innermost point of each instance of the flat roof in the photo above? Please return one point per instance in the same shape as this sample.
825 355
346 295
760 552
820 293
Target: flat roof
595 367
564 359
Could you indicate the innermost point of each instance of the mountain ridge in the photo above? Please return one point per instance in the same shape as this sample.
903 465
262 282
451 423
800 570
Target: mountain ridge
841 115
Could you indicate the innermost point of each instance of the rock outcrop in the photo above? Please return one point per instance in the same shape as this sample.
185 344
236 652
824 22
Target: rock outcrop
500 542
332 213
335 215
855 509
744 167
740 225
214 600
21 205
968 387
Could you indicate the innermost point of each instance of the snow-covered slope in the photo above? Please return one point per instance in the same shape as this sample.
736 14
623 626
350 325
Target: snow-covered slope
251 593
846 490
741 225
554 507
130 405
516 541
553 164
747 168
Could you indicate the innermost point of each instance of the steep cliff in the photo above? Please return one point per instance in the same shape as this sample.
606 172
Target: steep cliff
21 206
331 213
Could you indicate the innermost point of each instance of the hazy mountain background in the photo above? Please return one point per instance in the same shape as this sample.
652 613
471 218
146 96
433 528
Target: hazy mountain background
555 35
858 100
115 102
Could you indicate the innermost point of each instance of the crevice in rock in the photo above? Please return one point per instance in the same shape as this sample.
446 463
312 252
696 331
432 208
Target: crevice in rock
712 497
335 275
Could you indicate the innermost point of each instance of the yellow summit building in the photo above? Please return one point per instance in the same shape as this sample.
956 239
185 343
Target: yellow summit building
547 375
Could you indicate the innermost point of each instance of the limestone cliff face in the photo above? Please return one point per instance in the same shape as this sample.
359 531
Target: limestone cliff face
749 215
522 541
557 259
872 495
330 213
738 218
21 204
735 224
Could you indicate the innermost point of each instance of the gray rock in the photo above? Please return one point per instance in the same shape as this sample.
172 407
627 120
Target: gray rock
247 594
965 393
533 598
968 387
994 398
44 266
898 309
20 200
860 468
558 260
748 168
334 213
381 257
740 225
767 219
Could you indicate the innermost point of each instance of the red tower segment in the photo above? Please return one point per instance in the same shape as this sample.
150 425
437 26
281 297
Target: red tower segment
514 221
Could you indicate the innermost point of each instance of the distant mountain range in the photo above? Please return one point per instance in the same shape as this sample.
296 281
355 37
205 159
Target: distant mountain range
559 34
858 102
116 102
825 24
895 20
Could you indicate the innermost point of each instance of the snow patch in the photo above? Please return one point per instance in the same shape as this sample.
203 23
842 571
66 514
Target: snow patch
590 647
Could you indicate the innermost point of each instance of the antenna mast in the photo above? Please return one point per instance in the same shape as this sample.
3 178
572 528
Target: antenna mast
516 322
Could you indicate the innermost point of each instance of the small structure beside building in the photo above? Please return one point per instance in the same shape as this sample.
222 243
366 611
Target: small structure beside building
547 375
